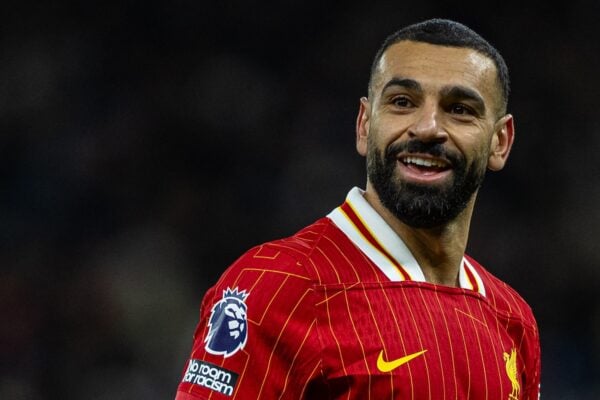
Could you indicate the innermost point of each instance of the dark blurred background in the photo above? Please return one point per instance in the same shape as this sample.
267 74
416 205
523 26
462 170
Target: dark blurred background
145 145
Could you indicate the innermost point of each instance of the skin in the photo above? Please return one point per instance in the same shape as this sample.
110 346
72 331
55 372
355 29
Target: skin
439 94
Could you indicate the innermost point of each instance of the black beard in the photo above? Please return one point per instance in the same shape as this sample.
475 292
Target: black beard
423 206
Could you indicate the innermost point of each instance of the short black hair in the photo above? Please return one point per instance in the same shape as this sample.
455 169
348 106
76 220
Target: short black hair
445 32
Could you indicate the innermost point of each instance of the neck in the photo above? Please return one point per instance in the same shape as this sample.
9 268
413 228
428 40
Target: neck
440 250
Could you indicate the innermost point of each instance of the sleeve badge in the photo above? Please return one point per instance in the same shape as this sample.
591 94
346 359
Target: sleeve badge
228 325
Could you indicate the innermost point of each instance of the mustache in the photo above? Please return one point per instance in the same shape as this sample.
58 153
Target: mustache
418 146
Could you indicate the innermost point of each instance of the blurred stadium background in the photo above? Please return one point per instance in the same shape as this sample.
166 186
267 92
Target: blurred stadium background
145 145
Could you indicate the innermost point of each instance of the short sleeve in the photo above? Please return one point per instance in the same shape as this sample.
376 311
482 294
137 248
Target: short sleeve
256 338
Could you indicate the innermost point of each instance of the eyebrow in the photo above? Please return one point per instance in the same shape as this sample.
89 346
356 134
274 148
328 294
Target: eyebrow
403 82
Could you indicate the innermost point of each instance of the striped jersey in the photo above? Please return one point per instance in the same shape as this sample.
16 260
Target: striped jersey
341 310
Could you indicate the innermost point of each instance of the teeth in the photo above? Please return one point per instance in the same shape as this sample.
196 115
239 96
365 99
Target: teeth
424 162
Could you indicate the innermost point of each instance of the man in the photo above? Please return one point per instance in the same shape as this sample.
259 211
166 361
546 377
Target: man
378 299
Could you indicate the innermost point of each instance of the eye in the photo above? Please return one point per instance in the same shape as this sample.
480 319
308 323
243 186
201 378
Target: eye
460 109
402 102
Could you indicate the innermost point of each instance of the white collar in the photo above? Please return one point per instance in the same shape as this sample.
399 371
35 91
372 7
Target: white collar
374 237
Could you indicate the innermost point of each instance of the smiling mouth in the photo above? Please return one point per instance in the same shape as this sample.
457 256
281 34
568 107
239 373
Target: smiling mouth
425 164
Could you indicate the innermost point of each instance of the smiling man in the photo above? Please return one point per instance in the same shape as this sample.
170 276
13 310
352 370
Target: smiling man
378 299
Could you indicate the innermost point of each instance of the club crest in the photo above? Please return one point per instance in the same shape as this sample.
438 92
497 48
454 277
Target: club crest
228 327
512 372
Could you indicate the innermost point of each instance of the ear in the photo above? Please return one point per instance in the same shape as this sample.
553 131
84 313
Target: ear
502 141
362 126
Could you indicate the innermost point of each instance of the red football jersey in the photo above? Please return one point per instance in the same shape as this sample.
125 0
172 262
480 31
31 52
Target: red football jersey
341 310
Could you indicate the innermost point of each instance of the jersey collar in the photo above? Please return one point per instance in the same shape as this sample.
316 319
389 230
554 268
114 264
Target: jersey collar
374 237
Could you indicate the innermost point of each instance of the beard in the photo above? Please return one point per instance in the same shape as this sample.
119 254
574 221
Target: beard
418 205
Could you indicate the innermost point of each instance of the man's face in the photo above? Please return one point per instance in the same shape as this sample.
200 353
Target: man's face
430 129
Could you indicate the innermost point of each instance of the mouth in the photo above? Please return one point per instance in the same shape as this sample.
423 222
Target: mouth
425 163
424 168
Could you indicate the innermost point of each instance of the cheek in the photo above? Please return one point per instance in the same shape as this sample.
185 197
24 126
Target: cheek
371 140
479 158
474 145
382 133
376 143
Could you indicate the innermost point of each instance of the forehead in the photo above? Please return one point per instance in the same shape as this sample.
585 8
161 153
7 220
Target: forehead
437 66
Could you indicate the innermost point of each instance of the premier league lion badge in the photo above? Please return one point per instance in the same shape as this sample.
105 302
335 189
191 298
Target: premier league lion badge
228 331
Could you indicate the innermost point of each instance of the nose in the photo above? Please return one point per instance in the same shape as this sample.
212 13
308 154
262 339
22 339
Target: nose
427 126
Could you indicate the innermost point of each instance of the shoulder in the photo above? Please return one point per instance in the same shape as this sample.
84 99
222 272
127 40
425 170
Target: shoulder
503 297
285 256
282 264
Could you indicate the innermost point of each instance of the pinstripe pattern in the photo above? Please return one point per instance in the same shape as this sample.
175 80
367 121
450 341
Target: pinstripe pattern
324 303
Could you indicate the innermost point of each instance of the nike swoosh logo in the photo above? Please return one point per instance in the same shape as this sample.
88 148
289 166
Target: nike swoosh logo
387 366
